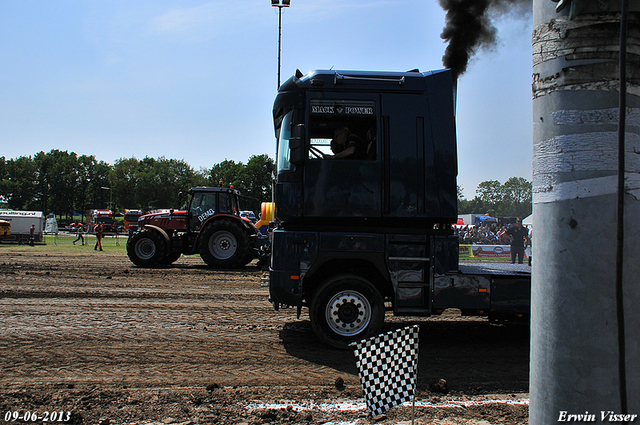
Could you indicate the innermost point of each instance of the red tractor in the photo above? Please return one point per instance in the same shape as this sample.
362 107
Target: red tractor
209 225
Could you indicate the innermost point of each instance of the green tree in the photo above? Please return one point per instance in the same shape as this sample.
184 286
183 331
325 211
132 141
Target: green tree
227 173
4 176
257 182
61 182
58 179
18 184
126 183
491 194
85 171
518 196
460 192
465 206
152 183
65 183
512 199
253 180
98 177
172 176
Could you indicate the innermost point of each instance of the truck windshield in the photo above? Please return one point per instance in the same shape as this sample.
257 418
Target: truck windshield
132 218
284 154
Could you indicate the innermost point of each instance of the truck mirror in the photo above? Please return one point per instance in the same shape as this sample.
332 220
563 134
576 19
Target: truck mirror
296 144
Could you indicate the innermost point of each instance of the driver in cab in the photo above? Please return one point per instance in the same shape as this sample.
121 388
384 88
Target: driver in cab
346 145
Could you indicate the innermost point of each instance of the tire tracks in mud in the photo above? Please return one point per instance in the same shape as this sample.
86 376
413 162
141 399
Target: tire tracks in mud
105 339
97 318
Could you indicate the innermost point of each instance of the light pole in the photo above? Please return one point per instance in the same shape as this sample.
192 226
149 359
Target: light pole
110 195
280 4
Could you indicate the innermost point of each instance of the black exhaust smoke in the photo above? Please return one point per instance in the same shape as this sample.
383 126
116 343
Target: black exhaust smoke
469 27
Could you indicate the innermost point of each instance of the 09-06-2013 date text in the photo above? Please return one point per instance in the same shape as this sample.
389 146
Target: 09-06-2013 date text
55 416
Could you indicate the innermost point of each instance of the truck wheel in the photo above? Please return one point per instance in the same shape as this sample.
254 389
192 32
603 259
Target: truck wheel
346 308
145 248
224 244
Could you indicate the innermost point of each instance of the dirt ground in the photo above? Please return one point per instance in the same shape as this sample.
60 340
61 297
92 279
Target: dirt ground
90 338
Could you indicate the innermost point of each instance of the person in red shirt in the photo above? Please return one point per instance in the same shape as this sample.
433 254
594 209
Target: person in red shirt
98 229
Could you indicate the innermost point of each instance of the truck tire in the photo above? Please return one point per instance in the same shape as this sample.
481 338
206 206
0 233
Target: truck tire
146 248
224 244
346 308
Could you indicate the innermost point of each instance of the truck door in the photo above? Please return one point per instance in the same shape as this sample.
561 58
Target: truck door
410 182
420 154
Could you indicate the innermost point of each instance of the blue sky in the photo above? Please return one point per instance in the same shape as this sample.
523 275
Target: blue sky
195 80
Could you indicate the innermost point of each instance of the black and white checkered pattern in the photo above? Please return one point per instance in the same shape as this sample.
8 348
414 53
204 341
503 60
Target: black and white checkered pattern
387 365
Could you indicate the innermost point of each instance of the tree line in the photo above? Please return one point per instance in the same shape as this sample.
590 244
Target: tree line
62 182
511 199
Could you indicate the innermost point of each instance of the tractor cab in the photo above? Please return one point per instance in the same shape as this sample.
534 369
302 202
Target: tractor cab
205 202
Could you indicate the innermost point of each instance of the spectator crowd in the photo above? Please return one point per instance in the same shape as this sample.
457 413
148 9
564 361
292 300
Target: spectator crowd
483 235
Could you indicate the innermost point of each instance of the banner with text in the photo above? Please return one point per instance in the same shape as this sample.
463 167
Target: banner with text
464 251
492 251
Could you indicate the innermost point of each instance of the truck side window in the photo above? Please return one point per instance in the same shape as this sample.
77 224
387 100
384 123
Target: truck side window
342 129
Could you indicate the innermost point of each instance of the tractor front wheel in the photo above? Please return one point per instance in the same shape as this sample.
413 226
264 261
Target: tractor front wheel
224 244
145 248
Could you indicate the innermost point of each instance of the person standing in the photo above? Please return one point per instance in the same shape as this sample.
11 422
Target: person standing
98 229
80 236
519 239
32 235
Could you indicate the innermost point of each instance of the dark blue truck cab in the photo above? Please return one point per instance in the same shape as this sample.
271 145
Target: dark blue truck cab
372 231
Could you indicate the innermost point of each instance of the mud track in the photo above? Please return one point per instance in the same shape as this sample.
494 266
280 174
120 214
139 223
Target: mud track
112 343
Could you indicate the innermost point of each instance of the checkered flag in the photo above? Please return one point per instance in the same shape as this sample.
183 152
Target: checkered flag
387 365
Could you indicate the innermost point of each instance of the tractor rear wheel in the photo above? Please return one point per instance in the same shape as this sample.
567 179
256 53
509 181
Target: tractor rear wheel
224 243
146 248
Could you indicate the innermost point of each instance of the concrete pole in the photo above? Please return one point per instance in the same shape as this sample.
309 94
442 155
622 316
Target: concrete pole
575 355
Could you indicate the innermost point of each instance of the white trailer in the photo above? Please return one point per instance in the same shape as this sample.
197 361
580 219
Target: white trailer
21 222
